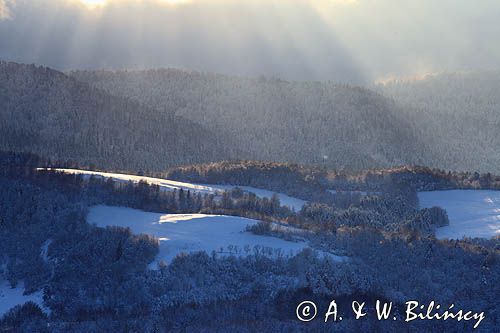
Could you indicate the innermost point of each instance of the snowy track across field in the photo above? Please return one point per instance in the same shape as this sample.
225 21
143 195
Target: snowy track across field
171 185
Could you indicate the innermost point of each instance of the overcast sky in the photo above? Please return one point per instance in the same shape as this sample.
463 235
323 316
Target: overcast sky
354 41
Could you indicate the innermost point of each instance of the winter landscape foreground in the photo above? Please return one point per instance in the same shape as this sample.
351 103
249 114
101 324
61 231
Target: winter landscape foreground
87 249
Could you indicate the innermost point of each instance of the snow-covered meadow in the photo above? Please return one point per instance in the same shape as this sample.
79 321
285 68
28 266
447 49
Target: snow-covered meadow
472 213
179 233
170 185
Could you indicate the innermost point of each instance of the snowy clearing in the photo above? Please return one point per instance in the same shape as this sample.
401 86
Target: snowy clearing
170 185
193 232
11 297
472 213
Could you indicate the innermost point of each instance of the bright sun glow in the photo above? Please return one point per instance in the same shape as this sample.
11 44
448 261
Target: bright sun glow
93 3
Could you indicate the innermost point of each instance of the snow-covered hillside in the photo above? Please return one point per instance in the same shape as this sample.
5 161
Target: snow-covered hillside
166 184
472 213
10 297
193 232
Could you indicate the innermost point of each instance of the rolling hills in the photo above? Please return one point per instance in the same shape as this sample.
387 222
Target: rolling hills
46 112
317 123
458 113
156 119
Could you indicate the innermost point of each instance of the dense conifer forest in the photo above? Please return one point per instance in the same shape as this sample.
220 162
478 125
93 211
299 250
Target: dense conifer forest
182 117
44 111
449 121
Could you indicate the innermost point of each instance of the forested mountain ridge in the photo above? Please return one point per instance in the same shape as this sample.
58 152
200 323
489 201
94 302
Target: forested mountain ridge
459 112
329 124
46 112
152 120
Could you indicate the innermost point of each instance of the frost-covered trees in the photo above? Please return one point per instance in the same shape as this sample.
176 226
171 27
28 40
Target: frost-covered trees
96 279
428 219
458 115
179 117
46 112
275 120
448 121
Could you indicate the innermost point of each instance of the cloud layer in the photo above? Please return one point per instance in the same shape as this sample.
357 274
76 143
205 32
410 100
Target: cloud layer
4 10
339 40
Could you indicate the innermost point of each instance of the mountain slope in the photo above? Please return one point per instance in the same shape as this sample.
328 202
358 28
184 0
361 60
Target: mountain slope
459 113
49 113
303 122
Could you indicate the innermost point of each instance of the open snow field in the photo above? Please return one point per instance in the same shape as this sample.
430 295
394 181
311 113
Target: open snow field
11 297
192 232
472 213
170 185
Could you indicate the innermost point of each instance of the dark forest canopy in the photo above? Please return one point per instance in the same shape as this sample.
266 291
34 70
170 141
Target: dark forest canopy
293 178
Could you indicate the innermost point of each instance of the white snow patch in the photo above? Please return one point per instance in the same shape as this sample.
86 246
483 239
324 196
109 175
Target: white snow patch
170 185
10 297
179 233
472 213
